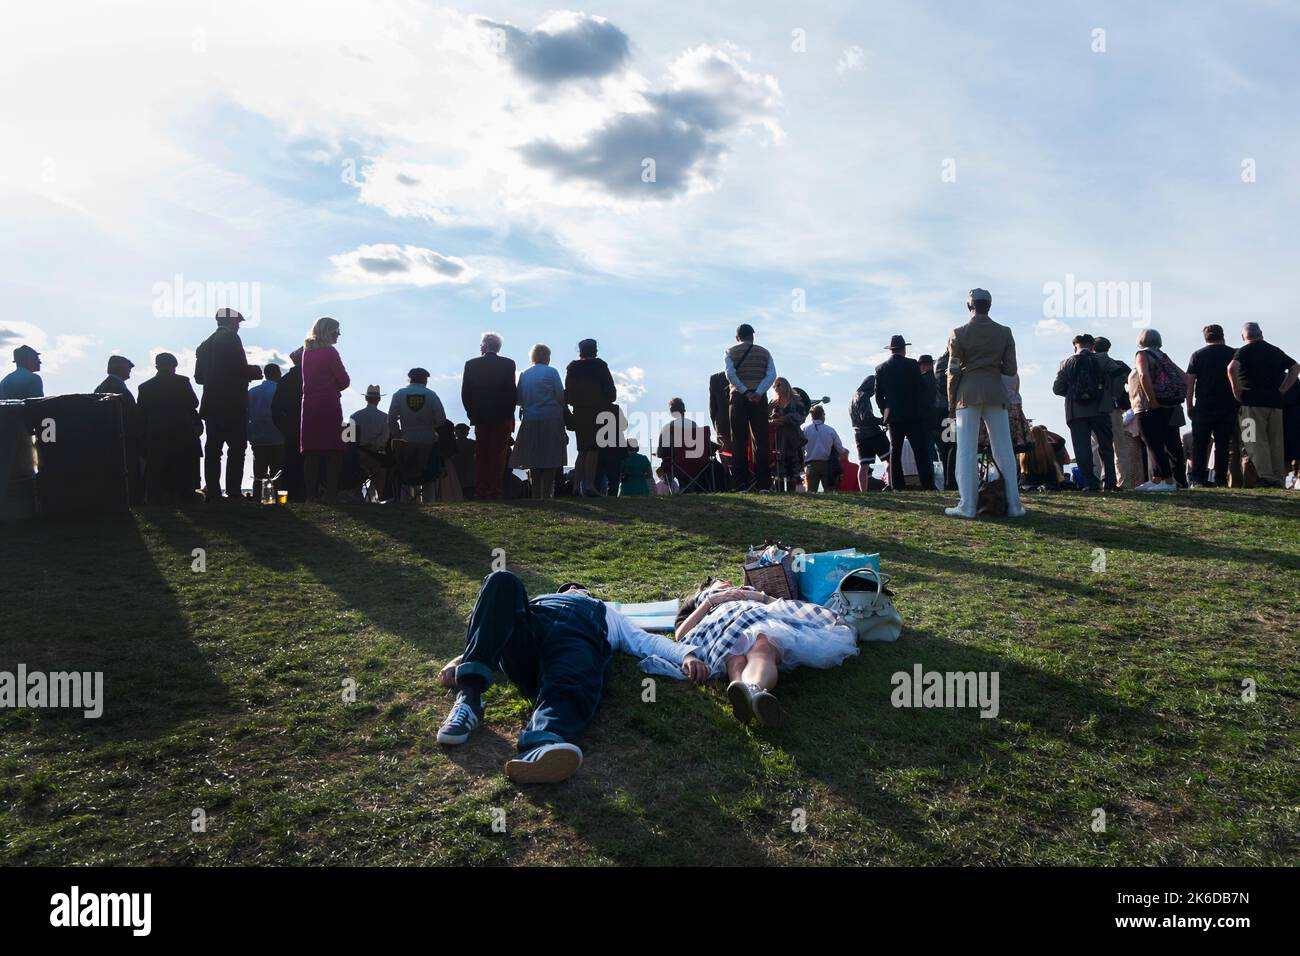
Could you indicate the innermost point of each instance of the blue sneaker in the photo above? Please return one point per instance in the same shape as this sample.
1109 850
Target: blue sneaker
466 714
549 763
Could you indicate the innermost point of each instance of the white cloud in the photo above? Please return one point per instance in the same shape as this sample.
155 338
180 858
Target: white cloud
852 60
510 156
56 352
388 264
1049 327
629 384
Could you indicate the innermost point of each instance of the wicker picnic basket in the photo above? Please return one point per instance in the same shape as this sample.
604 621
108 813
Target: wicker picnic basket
777 580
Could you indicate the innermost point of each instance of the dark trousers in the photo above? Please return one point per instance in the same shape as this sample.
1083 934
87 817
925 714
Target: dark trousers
947 429
233 434
749 429
268 462
1081 432
292 479
917 435
1162 441
169 476
609 465
555 650
491 451
1217 428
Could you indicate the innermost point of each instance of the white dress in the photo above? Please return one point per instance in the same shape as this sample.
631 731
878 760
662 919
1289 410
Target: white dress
802 642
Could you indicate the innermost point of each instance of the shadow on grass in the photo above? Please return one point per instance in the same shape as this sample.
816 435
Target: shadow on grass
740 521
400 594
945 749
127 623
1261 503
1166 542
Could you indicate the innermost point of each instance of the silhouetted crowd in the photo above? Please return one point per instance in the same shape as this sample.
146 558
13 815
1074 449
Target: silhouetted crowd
957 421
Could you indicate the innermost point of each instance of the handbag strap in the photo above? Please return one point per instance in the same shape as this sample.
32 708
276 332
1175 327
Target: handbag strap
873 575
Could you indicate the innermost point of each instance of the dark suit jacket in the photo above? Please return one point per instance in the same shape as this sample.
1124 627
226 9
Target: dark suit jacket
487 390
222 368
130 417
169 416
900 390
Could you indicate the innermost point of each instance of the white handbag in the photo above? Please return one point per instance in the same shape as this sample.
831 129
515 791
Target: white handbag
867 605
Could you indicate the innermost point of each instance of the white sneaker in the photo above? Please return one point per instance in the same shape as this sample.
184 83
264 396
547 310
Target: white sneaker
549 763
1145 486
1166 486
958 513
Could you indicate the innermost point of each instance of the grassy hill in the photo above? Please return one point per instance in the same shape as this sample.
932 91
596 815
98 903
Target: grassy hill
1120 688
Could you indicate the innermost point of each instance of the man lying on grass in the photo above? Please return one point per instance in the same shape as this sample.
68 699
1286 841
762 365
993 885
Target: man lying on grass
556 649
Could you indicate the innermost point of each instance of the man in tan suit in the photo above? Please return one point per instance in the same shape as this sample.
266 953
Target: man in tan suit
979 354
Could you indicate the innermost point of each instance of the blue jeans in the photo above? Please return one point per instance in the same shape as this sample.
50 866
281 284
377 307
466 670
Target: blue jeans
554 649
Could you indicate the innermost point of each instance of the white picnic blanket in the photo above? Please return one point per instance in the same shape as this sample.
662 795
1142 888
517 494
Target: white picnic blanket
650 615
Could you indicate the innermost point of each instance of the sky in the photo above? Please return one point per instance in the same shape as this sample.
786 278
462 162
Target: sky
650 175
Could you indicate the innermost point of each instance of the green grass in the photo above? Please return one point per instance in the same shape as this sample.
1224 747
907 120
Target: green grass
1120 689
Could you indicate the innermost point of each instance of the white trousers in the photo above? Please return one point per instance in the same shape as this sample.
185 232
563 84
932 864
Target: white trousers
1004 456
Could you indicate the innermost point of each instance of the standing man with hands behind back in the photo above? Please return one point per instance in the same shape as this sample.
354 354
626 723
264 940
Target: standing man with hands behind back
1086 381
750 372
488 392
222 368
980 353
1261 373
904 404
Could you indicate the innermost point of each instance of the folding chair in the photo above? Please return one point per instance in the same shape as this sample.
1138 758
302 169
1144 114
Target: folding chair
695 473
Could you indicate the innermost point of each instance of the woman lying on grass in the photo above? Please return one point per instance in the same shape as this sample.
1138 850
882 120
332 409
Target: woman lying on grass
748 636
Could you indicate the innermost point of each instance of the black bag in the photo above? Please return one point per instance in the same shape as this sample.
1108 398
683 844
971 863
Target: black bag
1086 386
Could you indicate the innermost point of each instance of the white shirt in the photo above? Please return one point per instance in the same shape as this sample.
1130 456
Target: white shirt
822 440
372 427
658 654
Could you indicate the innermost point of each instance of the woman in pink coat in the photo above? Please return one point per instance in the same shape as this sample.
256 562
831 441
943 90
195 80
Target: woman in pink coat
323 379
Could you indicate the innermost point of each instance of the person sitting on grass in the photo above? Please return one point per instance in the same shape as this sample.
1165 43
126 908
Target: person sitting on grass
1040 466
748 636
556 649
634 473
667 484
